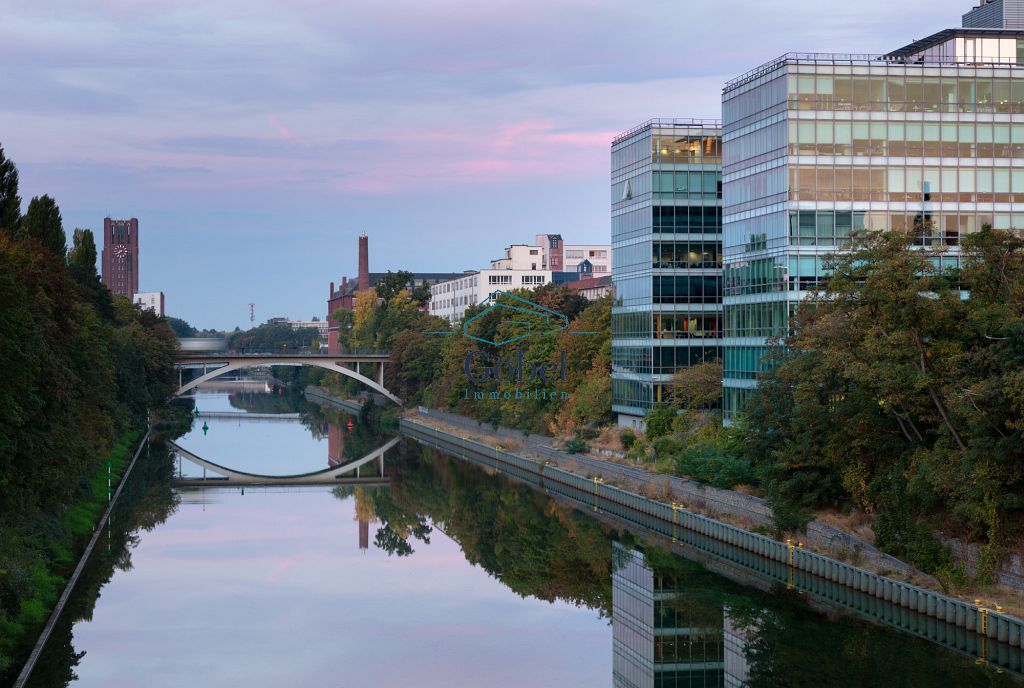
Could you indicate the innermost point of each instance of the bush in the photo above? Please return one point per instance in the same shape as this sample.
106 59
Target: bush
588 433
659 421
627 438
575 446
710 464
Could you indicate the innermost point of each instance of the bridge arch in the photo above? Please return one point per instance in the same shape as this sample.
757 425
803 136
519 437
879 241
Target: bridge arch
231 363
327 475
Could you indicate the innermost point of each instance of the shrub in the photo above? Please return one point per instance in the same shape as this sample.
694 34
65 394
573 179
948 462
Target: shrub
711 464
627 438
588 433
659 421
575 446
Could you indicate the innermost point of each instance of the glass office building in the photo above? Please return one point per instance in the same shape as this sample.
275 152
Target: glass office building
660 639
928 139
666 258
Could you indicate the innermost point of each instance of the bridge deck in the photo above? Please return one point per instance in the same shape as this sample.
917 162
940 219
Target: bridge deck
187 357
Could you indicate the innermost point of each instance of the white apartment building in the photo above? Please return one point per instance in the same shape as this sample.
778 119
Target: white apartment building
449 300
521 257
599 256
150 300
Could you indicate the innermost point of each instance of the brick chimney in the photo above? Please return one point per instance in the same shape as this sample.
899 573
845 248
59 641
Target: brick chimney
364 262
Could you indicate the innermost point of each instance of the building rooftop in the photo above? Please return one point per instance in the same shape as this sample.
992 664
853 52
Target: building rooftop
668 123
899 56
916 47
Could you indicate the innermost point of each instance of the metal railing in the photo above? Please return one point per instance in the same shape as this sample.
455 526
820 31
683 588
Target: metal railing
867 58
695 123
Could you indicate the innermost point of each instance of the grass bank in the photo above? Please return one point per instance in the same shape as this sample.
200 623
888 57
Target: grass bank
38 556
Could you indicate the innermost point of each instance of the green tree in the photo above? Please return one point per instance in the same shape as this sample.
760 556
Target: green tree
697 387
10 201
391 284
82 257
43 223
896 394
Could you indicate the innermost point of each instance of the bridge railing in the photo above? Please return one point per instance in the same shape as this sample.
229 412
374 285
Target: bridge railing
368 353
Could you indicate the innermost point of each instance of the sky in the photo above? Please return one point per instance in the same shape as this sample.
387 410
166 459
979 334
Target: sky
256 140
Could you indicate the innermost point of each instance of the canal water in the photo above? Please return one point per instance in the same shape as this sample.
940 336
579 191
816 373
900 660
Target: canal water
423 570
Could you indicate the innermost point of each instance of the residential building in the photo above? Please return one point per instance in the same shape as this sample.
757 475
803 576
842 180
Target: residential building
449 300
321 326
666 256
561 257
592 288
521 257
928 139
120 257
151 300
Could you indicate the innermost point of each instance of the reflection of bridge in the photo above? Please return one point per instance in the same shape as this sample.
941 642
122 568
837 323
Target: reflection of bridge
244 415
336 475
346 364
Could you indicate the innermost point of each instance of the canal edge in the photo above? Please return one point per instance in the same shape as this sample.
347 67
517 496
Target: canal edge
44 635
976 618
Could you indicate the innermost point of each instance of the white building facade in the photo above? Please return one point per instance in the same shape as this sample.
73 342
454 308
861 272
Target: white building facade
450 300
150 300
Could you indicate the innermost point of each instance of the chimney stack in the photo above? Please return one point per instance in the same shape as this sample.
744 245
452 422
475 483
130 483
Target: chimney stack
364 262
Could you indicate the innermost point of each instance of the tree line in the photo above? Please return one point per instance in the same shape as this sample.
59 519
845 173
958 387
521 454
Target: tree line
81 369
428 355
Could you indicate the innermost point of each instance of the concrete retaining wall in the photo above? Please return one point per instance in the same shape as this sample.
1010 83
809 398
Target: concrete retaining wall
863 591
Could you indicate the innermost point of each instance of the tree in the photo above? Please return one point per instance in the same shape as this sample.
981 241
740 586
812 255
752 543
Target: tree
82 257
43 223
697 387
10 201
391 284
897 395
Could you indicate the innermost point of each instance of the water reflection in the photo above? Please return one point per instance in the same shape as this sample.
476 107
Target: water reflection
658 642
467 576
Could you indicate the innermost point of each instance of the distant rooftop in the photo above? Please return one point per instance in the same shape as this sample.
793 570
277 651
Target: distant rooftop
667 123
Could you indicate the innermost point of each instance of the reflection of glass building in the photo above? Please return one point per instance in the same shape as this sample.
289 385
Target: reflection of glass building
655 642
928 139
666 257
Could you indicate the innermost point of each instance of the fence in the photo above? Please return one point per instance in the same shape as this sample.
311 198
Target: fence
954 623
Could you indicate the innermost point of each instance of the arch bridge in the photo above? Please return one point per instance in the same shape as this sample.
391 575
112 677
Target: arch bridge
335 475
347 364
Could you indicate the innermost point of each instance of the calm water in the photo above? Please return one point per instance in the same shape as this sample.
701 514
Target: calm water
445 576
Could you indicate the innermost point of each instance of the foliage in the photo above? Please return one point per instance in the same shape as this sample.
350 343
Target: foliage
627 438
659 421
81 369
575 445
391 284
273 338
697 387
10 201
900 396
43 223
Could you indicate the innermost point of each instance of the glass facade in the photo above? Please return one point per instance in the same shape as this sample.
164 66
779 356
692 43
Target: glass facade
666 257
657 642
819 147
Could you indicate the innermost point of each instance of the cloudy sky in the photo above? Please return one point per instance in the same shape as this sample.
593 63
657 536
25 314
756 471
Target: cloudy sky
255 140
